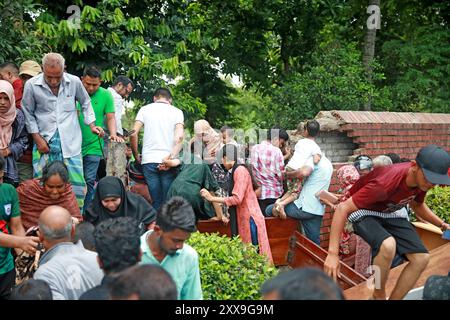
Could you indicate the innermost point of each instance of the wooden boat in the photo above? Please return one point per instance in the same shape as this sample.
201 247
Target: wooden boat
279 232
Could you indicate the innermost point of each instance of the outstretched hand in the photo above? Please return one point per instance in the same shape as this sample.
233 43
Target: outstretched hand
205 194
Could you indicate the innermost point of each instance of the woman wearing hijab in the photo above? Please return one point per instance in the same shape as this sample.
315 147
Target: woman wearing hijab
13 135
211 139
111 200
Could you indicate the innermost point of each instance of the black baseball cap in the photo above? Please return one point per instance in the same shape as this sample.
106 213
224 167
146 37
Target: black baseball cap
434 162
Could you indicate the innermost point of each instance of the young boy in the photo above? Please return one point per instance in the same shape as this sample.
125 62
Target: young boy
307 154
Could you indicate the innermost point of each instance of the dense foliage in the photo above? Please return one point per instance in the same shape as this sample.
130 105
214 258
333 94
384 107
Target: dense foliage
438 199
293 57
230 269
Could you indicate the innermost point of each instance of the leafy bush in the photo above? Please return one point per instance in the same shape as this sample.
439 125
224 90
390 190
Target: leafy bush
438 199
230 269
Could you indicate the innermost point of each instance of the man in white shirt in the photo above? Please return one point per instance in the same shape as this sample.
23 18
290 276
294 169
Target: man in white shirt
163 137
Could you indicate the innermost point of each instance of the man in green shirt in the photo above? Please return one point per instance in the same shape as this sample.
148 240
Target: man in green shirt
92 146
164 246
12 234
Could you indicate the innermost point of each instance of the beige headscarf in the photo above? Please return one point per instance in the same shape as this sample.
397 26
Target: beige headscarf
7 118
213 139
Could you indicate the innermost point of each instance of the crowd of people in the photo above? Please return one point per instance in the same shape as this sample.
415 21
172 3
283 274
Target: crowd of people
69 231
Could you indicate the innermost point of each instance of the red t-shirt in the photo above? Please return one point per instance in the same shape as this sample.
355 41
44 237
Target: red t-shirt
385 190
18 92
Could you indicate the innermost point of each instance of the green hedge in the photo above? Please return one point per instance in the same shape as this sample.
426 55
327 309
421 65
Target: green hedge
438 199
230 269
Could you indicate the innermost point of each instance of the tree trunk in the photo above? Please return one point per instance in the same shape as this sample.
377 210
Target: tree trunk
369 49
116 164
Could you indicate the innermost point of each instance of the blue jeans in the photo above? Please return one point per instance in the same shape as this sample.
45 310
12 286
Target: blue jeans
253 232
90 167
310 222
158 182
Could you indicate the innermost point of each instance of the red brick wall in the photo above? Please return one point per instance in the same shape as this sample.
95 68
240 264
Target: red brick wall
327 217
380 138
403 139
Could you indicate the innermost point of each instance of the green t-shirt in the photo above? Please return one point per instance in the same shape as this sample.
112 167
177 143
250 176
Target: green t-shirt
102 102
9 208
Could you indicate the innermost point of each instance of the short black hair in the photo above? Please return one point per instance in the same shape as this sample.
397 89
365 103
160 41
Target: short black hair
123 80
56 167
117 243
148 282
93 72
84 231
2 163
303 284
394 157
277 132
11 66
405 160
177 213
313 127
164 93
32 289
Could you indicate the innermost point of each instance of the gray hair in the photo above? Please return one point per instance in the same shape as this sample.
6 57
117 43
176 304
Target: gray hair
53 59
56 234
381 161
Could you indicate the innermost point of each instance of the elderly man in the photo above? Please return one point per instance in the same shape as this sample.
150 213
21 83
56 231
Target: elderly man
68 268
49 105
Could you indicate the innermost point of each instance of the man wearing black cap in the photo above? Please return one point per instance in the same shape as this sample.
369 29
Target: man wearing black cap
372 207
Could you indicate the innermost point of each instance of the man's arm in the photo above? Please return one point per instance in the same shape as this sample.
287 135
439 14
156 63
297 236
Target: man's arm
331 266
29 108
111 123
304 171
27 244
134 140
16 226
177 141
424 212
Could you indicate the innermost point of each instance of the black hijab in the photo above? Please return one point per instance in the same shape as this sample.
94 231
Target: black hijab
131 205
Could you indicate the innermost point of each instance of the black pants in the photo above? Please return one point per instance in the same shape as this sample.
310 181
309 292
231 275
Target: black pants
263 204
7 282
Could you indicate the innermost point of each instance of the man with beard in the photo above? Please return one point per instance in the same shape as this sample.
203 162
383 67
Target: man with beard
164 246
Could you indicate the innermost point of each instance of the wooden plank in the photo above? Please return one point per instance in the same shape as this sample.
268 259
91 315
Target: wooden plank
439 265
208 226
305 253
279 233
431 235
